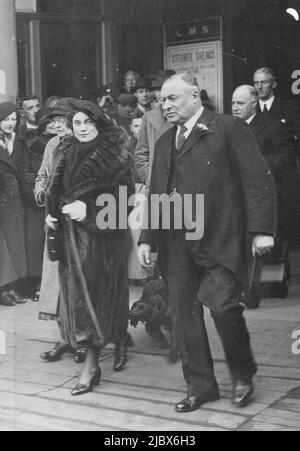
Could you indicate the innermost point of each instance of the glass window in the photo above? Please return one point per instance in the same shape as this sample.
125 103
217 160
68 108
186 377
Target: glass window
23 58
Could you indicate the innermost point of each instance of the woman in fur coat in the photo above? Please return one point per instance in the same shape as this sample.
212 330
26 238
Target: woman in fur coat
94 290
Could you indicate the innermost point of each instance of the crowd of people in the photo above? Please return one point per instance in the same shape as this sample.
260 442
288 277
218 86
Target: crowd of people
56 159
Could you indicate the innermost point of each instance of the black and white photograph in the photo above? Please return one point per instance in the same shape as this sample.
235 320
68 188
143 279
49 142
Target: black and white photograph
150 218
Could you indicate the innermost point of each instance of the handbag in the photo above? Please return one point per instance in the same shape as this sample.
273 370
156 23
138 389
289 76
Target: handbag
269 278
274 279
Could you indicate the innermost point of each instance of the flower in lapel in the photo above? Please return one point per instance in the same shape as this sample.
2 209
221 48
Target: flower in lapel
203 129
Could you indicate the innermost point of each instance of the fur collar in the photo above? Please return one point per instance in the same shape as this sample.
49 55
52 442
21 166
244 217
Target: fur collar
92 167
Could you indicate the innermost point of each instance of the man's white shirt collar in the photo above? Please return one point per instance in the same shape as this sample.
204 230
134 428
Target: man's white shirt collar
31 127
142 109
268 103
250 119
190 124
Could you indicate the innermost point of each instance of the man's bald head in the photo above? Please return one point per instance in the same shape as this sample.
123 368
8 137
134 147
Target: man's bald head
244 102
181 98
186 77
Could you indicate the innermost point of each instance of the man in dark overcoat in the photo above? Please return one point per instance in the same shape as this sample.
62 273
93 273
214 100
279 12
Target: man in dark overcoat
285 110
213 155
277 146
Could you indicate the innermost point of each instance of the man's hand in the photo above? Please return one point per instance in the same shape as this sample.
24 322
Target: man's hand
51 222
262 244
76 211
144 254
104 100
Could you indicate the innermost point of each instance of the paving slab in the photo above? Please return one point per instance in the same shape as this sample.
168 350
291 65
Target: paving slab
35 395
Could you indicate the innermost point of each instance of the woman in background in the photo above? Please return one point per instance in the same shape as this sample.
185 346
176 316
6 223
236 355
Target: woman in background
29 164
12 242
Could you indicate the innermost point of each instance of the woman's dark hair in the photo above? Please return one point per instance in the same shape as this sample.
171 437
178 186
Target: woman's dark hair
17 128
93 111
25 99
136 115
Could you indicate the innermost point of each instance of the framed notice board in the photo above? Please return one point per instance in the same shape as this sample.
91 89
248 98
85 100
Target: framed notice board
197 47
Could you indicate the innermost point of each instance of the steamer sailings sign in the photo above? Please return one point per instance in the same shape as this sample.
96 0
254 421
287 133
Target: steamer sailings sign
205 61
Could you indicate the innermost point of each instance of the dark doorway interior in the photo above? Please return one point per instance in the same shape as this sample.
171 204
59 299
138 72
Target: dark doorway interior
70 58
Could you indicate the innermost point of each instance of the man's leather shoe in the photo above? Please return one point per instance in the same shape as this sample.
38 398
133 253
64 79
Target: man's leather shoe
193 403
242 393
56 353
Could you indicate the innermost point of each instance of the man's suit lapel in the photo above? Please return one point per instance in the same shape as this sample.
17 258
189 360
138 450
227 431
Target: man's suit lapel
276 107
206 119
258 124
166 146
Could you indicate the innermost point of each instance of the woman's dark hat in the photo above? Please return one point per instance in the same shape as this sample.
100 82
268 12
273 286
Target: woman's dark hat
92 110
6 109
63 107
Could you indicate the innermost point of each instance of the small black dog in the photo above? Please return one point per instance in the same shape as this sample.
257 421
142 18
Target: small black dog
153 310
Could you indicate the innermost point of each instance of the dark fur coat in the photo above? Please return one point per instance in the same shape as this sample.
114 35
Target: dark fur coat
94 293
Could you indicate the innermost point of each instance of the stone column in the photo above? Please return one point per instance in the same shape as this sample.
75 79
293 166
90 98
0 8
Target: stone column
8 52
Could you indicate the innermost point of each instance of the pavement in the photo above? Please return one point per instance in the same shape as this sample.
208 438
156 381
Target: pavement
35 396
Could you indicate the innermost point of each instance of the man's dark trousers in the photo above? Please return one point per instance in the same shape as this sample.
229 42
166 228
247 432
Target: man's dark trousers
220 292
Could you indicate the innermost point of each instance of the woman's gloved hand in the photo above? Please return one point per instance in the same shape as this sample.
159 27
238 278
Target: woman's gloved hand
51 222
76 211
